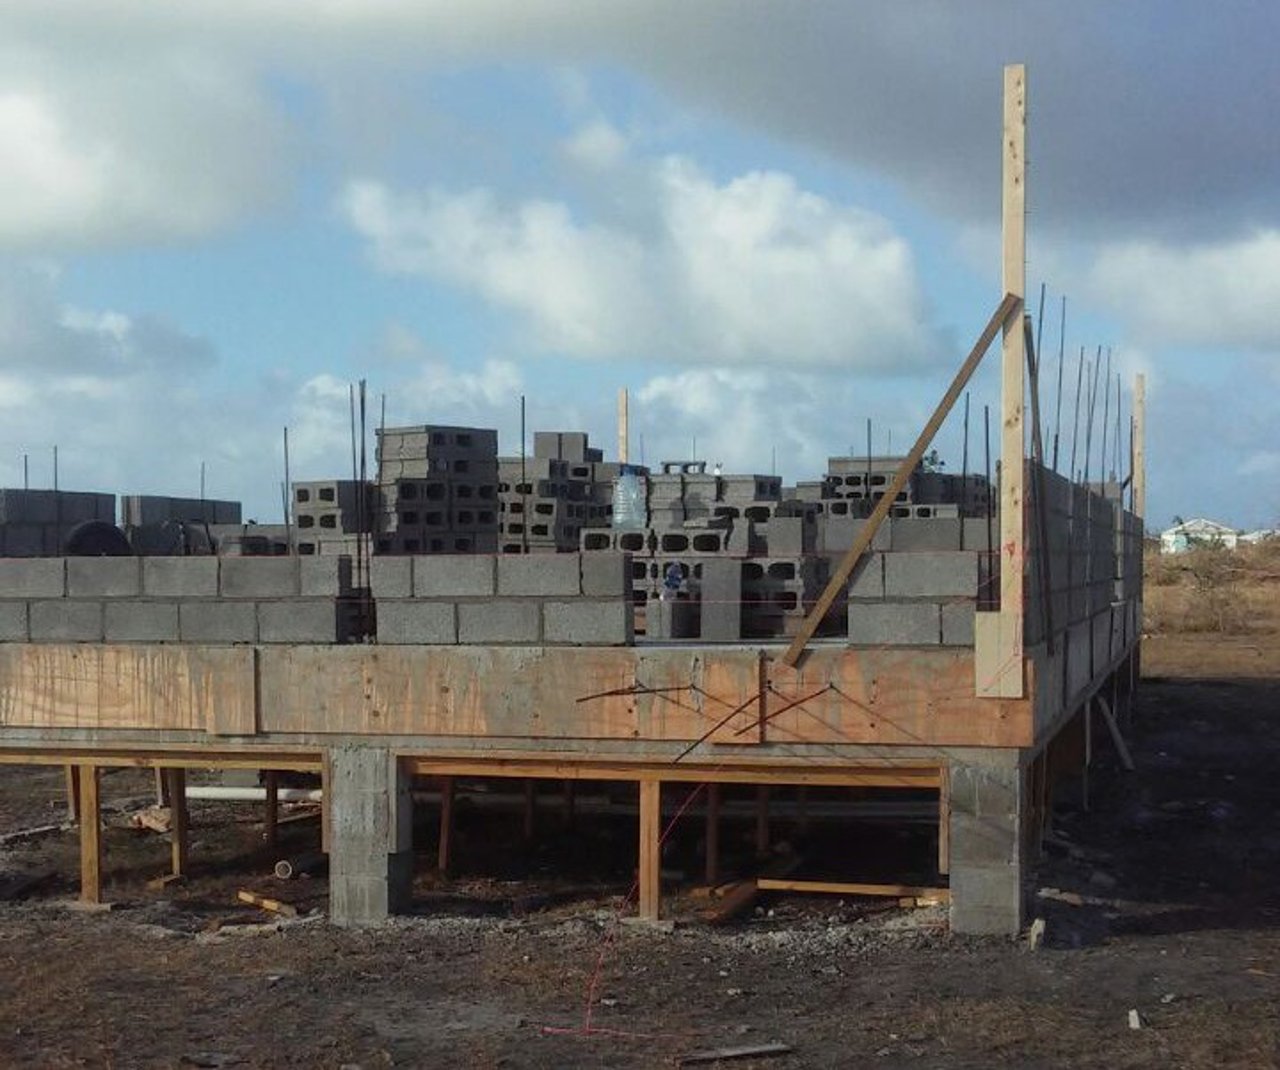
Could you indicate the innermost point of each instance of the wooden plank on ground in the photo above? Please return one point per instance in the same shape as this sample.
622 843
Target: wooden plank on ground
772 884
275 906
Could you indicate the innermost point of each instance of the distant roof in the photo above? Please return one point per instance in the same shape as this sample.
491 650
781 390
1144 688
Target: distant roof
1199 526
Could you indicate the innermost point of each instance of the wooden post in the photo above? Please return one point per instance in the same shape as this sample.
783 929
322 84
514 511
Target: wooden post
177 781
650 849
999 636
73 793
1140 446
623 427
326 805
445 846
944 820
713 835
271 819
90 835
162 787
762 820
530 807
1087 714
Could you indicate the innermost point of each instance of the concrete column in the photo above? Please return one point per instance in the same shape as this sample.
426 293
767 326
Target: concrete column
986 845
370 835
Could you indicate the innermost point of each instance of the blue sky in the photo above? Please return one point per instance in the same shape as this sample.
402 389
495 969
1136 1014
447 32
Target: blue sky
768 224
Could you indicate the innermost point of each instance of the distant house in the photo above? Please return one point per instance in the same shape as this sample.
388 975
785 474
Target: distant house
1198 532
1261 535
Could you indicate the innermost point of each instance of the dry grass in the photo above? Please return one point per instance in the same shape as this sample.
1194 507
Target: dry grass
1212 590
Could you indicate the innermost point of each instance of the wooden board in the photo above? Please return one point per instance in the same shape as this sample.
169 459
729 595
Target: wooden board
769 884
148 686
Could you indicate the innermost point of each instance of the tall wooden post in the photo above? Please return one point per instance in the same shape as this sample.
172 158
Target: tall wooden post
624 429
713 835
177 781
271 817
73 793
90 835
444 847
1140 447
999 636
650 849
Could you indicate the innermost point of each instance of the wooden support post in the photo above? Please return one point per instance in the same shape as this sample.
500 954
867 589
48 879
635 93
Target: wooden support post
1140 446
530 807
1087 714
570 792
999 636
1122 748
162 787
326 806
178 824
90 835
713 835
73 793
1005 314
944 820
445 846
650 849
271 817
762 820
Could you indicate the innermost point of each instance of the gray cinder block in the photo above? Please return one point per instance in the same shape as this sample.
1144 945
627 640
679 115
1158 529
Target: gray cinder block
33 577
894 624
547 575
407 621
721 601
180 577
305 620
921 533
786 536
501 621
606 575
325 576
584 622
391 577
259 577
218 622
104 577
931 574
957 623
453 576
141 622
867 580
65 621
22 540
13 622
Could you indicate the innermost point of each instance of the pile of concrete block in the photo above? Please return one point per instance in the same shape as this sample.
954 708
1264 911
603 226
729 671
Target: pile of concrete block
177 599
157 524
548 500
330 515
36 523
437 490
915 597
854 485
486 599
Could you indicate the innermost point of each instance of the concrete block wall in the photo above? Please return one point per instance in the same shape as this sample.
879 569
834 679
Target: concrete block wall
143 510
548 599
177 599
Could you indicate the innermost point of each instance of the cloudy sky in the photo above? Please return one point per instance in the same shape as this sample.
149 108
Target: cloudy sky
770 221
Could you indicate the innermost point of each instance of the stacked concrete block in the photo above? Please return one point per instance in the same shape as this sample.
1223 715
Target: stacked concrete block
437 490
148 510
720 601
548 500
253 540
330 515
777 593
986 845
36 523
561 599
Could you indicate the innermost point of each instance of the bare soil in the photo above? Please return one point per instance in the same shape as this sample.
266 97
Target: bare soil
1163 898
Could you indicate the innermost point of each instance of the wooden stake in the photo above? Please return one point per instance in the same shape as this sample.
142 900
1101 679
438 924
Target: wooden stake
271 819
713 835
1004 314
1122 747
650 849
445 846
178 824
73 794
1087 714
530 807
90 835
762 820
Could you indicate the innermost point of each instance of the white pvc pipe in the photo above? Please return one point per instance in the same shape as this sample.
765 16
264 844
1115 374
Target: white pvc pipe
251 794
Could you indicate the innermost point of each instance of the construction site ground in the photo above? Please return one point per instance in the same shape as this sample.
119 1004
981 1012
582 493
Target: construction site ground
1161 904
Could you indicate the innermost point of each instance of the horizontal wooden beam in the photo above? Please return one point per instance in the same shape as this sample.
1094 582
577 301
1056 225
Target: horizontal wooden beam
770 884
798 773
157 758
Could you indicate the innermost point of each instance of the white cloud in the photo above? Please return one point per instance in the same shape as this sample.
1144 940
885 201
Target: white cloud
754 270
598 146
1221 296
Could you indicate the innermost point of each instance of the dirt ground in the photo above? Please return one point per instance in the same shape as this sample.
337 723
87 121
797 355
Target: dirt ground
1163 899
